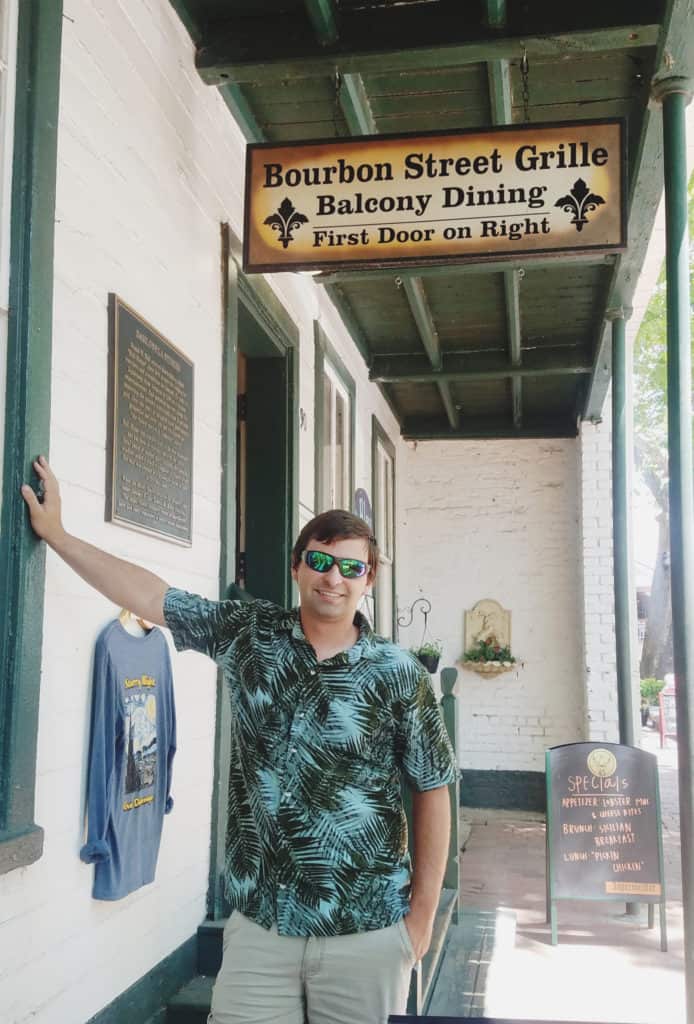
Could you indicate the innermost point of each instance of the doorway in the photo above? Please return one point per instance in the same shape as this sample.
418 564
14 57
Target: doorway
264 507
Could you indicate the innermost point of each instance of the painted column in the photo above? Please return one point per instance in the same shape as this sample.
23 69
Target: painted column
624 593
675 93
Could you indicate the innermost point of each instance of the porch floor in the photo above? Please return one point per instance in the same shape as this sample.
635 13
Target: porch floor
607 967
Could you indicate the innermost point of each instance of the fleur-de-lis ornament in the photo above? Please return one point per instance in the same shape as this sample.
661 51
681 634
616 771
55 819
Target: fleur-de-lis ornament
286 221
579 202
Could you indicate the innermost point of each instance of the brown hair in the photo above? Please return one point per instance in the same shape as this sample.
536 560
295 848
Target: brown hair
336 524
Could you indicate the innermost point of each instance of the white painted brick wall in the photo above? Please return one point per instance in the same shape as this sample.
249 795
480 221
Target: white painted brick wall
150 164
500 519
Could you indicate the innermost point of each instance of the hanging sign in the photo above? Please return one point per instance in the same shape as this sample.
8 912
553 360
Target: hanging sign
438 197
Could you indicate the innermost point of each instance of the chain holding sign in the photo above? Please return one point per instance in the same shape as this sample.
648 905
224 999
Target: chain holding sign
436 197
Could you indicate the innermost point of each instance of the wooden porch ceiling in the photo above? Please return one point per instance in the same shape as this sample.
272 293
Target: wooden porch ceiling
490 349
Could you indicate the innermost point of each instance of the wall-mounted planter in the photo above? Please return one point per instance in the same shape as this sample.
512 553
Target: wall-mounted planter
488 668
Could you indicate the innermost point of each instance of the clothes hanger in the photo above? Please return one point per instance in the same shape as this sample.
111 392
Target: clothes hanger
125 616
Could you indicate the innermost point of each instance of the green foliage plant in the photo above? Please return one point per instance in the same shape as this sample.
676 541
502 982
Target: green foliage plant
488 650
432 649
650 688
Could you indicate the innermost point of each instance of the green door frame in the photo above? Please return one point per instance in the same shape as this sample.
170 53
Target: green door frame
379 436
27 420
257 298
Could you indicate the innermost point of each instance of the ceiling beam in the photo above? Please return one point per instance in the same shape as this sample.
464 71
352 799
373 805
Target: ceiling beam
477 366
414 290
480 428
240 110
529 263
344 308
512 290
382 41
324 18
452 410
355 105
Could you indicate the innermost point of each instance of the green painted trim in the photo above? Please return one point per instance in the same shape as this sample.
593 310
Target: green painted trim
216 905
624 591
324 350
421 312
413 369
145 1001
251 51
379 434
324 19
478 428
260 300
240 108
191 25
529 263
355 106
27 419
507 790
452 411
344 308
496 13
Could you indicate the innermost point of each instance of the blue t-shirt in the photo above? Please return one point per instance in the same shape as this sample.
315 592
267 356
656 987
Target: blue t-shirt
133 742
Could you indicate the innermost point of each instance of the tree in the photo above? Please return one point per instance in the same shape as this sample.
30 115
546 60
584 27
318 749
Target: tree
650 442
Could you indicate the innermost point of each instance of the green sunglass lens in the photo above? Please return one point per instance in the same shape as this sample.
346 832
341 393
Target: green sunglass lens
351 568
319 561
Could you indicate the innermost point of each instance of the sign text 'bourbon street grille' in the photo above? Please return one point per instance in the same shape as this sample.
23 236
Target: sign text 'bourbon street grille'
478 194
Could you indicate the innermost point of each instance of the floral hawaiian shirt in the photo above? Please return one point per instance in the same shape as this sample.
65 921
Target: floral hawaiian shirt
317 838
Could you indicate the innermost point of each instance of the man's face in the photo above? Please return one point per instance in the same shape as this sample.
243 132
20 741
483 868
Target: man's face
328 596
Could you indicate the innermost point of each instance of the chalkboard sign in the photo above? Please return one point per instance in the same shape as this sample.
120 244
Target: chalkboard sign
604 837
668 714
150 470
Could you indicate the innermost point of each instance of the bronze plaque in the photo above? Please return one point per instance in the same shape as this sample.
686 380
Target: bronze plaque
435 197
149 484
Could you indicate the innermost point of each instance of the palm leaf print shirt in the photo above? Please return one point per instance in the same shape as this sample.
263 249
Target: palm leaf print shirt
317 838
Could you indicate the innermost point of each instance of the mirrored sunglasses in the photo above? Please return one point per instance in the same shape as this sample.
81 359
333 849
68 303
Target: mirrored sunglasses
321 561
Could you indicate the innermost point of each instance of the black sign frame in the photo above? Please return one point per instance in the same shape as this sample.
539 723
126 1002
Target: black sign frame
169 513
594 792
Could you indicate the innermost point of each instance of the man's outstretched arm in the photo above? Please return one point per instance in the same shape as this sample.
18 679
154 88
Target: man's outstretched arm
431 824
127 585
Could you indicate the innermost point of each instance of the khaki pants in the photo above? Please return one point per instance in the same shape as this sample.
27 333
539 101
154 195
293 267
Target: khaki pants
266 978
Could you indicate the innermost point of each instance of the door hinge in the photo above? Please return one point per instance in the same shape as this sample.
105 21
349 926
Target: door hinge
242 408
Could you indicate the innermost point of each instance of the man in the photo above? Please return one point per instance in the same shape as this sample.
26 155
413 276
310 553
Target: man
327 721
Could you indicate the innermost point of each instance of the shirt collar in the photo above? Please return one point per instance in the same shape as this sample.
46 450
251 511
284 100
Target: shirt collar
290 622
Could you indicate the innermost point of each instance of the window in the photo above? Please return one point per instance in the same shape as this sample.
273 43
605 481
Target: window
334 429
383 488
